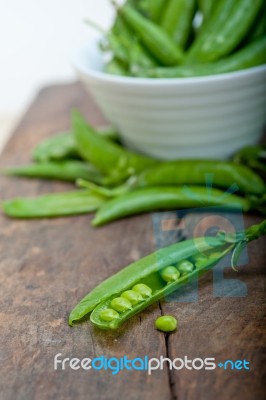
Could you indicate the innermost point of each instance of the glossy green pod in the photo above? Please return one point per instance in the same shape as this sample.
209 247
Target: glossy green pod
136 273
250 56
68 170
110 158
53 205
166 198
160 45
224 174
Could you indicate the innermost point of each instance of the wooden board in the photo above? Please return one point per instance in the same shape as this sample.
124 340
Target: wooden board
46 266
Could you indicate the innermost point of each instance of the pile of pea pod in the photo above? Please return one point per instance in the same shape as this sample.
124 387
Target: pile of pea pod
116 183
185 38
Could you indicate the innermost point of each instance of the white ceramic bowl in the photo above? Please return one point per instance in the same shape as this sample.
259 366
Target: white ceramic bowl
204 117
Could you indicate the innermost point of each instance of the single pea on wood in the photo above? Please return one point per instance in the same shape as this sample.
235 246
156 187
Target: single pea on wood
166 323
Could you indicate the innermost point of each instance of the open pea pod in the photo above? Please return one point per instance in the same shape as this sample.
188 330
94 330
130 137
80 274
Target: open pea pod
155 276
156 285
139 270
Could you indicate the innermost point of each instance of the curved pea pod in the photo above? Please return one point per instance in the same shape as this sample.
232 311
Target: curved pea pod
166 198
229 25
250 56
224 174
69 170
159 288
177 20
110 158
137 273
53 205
160 45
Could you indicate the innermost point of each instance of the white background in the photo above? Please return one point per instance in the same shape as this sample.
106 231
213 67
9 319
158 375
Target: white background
37 38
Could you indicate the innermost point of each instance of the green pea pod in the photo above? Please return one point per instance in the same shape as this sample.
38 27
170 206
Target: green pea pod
115 67
252 156
139 270
177 20
63 145
57 147
111 159
58 170
148 271
115 45
157 9
139 57
166 198
259 27
206 7
160 45
251 56
53 205
223 174
229 25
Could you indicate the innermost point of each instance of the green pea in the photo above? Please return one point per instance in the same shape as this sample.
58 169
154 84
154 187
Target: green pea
121 305
170 274
201 261
185 267
132 296
143 290
108 315
167 323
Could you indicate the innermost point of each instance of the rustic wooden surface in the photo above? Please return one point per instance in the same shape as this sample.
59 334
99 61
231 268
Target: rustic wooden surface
46 266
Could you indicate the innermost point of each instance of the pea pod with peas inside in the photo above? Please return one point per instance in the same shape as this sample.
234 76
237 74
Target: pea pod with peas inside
156 276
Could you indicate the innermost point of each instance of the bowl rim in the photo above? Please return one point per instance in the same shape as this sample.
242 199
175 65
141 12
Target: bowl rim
85 69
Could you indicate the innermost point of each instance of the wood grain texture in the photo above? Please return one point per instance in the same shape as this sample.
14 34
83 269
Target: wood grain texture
46 266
